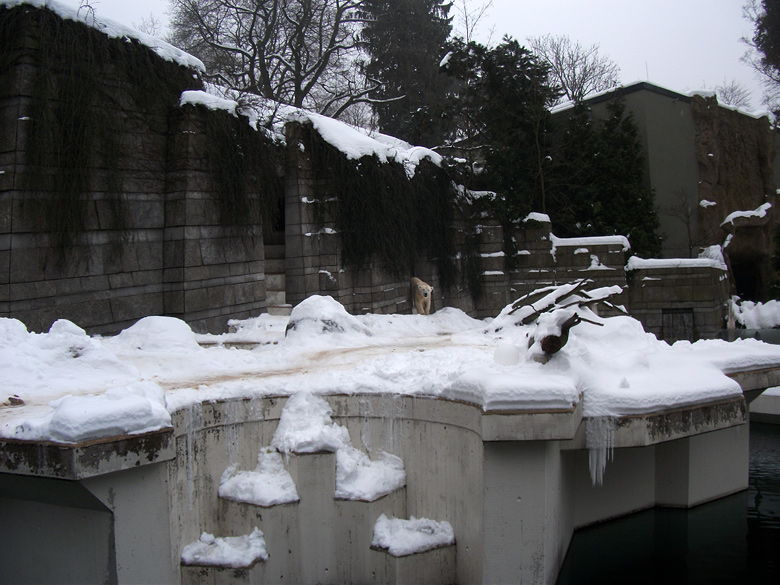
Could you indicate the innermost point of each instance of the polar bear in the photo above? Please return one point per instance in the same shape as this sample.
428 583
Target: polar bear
421 296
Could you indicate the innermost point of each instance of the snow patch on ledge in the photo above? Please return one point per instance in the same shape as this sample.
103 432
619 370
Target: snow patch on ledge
407 537
590 241
234 552
212 102
535 216
759 212
636 263
113 29
521 389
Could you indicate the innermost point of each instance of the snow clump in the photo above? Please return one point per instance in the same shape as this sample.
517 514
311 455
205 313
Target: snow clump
235 552
407 537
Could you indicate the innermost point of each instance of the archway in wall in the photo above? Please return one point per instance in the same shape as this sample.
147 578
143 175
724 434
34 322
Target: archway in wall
748 280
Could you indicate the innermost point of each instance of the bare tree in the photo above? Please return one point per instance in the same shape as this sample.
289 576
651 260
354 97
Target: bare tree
469 16
731 93
296 52
577 70
151 26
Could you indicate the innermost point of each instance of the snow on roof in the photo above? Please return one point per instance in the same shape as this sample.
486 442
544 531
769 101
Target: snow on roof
113 29
638 85
356 143
759 212
66 386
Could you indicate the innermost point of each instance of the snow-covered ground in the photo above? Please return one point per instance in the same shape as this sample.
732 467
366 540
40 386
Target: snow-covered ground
67 386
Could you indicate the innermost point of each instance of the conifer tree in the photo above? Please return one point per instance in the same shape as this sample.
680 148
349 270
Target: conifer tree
596 182
405 40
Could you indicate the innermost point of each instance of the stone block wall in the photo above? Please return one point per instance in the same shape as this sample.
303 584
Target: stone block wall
150 241
313 262
679 302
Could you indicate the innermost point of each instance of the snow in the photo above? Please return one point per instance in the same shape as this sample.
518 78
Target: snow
306 426
212 102
759 212
636 263
706 203
714 253
535 216
753 315
235 552
356 144
585 242
270 484
69 387
406 537
113 29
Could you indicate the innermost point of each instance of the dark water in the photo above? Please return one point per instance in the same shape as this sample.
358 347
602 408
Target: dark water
733 540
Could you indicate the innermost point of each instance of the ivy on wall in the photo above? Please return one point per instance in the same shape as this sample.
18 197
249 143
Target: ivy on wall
247 170
382 215
82 83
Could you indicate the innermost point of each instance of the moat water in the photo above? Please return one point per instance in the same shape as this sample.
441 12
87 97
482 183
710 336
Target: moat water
734 540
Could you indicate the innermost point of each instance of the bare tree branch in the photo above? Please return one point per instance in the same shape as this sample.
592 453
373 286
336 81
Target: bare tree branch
296 52
577 70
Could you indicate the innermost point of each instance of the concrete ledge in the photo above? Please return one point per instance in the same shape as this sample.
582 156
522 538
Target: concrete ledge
530 425
659 427
754 382
765 409
85 459
434 567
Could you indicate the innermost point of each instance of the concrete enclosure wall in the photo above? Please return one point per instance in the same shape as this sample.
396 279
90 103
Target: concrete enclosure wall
513 502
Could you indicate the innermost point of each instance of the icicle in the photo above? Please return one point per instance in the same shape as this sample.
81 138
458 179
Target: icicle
599 435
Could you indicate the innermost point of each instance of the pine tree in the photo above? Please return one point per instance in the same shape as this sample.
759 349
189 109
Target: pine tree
405 41
512 92
597 184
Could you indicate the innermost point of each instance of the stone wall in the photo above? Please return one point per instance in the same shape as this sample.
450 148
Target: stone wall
149 240
313 262
680 302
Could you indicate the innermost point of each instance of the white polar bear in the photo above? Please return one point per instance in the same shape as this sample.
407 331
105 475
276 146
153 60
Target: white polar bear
421 296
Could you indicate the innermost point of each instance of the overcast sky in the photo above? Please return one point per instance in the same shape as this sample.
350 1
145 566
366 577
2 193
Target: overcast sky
679 44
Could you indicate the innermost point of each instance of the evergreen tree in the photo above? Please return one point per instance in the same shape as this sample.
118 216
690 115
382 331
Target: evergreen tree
767 36
597 180
405 40
500 109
